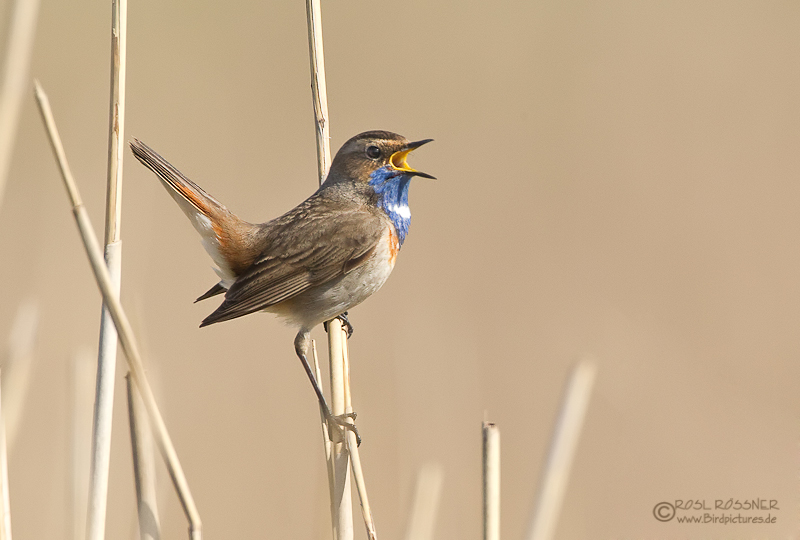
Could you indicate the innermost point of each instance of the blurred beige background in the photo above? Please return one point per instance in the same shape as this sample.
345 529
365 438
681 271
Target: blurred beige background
615 178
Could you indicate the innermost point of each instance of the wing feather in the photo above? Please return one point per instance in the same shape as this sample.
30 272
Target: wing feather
301 254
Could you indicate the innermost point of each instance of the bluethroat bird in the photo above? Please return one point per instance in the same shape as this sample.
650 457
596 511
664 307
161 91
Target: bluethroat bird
318 260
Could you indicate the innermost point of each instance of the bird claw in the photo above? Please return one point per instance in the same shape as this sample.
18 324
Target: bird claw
338 424
346 324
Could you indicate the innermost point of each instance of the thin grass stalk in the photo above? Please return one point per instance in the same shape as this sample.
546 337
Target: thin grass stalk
326 442
19 359
425 503
103 406
564 442
491 481
116 122
126 336
326 438
17 366
319 89
22 29
343 501
342 504
144 470
5 508
84 366
352 447
107 349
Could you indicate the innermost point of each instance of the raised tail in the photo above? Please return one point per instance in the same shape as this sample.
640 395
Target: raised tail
230 241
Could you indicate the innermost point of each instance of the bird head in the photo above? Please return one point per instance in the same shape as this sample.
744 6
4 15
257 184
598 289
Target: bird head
374 151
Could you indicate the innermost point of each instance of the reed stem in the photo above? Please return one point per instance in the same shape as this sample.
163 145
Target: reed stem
491 481
352 448
15 79
425 503
107 349
17 367
341 504
121 322
5 504
564 442
319 89
84 368
144 470
343 500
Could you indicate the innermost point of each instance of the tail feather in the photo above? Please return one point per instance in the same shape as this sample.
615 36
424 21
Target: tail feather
189 196
229 240
213 291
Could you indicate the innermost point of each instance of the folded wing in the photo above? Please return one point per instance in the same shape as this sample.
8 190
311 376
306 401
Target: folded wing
304 249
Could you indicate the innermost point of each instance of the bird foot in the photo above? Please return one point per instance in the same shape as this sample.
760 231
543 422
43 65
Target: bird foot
346 324
337 425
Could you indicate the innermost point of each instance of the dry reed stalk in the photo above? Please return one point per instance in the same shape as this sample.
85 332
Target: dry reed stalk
123 326
116 119
343 500
425 503
84 366
144 470
564 442
491 481
326 438
17 366
341 504
326 442
352 448
19 359
107 350
15 79
319 89
5 507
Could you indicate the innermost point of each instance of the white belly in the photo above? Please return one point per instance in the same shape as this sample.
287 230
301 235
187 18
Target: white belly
333 298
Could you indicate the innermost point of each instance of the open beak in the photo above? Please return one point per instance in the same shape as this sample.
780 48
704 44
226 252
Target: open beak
399 163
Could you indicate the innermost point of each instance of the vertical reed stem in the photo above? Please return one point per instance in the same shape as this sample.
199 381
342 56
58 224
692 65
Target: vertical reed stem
18 359
342 505
144 470
564 442
343 501
17 367
107 350
84 367
15 81
491 481
326 438
319 90
352 448
116 123
5 521
121 322
425 504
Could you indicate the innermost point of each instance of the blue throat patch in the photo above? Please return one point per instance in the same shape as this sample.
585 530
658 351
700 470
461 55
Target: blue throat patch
392 189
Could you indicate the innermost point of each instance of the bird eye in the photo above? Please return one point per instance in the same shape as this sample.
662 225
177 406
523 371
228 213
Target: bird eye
373 152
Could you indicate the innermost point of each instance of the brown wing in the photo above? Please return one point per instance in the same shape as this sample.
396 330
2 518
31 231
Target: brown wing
317 242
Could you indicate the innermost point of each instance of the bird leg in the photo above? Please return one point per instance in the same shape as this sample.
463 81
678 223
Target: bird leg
336 423
345 323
